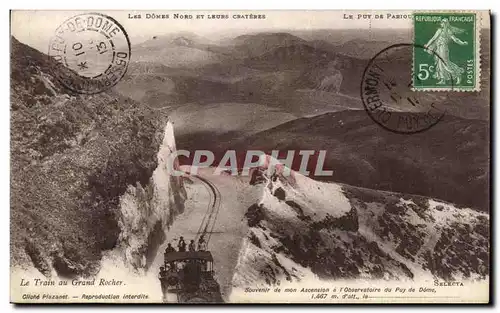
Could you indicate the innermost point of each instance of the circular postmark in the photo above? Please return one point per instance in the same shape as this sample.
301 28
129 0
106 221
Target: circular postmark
387 95
91 53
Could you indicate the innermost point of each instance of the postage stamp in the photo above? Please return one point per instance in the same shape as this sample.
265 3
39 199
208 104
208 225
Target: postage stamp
450 60
91 53
389 99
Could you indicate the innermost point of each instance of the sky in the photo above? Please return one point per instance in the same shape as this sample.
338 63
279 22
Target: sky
35 28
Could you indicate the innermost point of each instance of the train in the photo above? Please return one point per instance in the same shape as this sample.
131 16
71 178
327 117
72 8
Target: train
188 277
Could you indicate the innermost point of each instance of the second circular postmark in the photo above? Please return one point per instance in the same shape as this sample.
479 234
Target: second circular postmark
91 53
388 98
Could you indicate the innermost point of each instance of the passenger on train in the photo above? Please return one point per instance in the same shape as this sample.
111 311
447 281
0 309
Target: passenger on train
168 268
163 272
192 246
201 244
169 248
162 276
181 245
179 266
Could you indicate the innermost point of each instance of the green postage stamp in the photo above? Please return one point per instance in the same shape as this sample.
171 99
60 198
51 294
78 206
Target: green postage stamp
446 53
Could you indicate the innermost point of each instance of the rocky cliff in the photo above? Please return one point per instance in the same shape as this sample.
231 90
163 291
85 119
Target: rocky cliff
302 229
86 173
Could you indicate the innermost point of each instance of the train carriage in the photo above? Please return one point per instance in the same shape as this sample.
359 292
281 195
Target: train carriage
189 278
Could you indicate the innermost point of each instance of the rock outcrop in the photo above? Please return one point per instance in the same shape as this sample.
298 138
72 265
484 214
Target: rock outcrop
302 229
83 176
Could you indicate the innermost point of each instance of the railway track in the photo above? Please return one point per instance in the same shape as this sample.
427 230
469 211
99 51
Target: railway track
209 220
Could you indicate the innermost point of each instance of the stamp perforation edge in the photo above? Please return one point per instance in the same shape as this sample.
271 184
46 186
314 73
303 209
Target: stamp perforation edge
477 48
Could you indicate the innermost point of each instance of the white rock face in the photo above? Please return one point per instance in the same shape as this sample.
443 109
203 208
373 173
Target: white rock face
147 211
305 230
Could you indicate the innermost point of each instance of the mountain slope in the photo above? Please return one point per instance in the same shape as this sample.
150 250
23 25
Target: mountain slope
177 50
72 159
260 43
302 229
364 154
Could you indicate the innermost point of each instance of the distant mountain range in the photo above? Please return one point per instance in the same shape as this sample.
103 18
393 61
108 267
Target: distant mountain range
316 77
270 68
449 161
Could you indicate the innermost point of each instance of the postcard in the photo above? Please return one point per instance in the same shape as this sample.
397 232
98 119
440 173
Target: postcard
250 156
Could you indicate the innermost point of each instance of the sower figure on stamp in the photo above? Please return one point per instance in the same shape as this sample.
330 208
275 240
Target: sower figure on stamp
438 45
